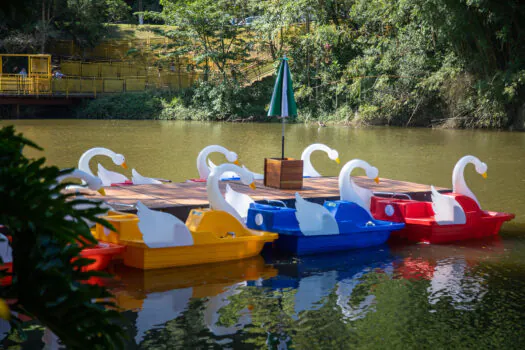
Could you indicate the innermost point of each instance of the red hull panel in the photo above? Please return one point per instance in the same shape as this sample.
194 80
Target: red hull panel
422 227
102 254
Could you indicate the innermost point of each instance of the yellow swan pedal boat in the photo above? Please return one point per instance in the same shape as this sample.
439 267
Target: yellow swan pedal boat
215 236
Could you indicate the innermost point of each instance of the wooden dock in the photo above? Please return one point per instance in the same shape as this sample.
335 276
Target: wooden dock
179 198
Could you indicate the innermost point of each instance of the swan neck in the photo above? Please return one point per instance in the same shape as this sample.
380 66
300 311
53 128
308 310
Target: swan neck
458 174
346 184
217 201
83 162
305 157
77 174
459 184
202 167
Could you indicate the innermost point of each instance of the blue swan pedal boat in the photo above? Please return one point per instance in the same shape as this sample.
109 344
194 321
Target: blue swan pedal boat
341 225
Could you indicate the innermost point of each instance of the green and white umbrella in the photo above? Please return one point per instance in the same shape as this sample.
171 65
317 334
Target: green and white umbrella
283 102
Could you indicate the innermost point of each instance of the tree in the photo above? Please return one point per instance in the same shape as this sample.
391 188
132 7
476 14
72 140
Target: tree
47 234
209 26
41 20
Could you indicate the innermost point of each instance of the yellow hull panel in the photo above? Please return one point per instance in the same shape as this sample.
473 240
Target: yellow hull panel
142 257
217 236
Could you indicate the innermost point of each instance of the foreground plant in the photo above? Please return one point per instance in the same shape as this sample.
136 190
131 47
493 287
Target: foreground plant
47 234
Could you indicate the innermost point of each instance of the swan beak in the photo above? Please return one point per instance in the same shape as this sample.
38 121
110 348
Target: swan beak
102 191
124 165
376 180
338 161
236 162
484 175
252 186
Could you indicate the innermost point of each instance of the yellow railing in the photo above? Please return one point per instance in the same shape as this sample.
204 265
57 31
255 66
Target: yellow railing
101 69
45 85
115 49
17 84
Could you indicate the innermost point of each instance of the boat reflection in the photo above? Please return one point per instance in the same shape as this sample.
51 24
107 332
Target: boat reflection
449 269
315 277
162 295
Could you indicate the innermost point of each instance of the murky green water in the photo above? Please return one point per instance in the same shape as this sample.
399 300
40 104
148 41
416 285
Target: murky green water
464 295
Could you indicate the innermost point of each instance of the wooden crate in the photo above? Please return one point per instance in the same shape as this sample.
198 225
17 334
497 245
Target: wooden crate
284 173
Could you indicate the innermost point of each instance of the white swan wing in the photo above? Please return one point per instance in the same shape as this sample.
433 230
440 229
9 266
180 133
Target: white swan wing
211 165
447 211
160 230
239 201
109 177
365 195
138 179
314 219
256 176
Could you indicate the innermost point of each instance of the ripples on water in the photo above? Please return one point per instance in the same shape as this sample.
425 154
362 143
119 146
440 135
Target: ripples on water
463 295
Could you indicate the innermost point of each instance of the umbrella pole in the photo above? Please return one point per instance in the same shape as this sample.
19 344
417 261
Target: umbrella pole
282 142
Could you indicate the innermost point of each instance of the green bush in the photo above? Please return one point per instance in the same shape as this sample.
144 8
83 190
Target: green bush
132 105
48 232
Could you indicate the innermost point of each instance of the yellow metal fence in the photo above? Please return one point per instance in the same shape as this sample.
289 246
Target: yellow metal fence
101 69
45 85
114 49
18 85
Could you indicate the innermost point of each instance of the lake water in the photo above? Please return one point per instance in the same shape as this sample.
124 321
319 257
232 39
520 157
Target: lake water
467 295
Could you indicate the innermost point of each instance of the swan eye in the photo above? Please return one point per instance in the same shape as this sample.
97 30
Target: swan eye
389 210
259 220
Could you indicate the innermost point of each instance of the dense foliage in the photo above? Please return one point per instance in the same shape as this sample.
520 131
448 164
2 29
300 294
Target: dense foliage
400 62
211 100
48 231
29 25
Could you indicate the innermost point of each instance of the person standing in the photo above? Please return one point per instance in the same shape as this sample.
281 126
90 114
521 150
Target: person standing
23 81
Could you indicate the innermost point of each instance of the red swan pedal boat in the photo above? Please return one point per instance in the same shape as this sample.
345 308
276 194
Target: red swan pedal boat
421 225
448 217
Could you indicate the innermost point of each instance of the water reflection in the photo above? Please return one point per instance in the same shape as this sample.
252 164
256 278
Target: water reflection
463 295
314 278
159 296
450 269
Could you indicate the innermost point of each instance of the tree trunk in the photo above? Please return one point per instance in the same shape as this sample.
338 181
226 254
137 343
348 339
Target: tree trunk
43 28
141 16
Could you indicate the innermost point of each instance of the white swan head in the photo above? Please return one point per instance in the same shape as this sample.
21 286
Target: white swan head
247 178
119 159
372 173
334 155
481 168
232 157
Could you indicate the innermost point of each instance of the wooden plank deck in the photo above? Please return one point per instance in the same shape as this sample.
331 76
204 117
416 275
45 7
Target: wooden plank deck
179 198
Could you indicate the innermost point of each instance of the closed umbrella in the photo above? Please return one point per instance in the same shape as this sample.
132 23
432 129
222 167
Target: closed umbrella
283 102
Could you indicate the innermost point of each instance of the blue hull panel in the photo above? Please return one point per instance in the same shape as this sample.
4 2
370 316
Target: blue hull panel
306 245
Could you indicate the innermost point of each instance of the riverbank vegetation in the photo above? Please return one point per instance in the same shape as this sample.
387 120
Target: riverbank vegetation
455 63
